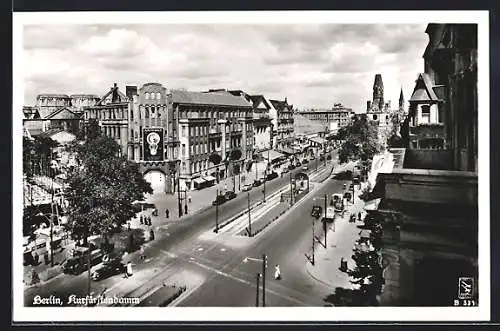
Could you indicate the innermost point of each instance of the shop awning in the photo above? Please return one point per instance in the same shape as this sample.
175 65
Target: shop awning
273 155
198 180
372 204
209 178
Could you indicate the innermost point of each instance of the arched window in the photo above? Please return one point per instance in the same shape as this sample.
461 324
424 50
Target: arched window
147 95
146 113
158 96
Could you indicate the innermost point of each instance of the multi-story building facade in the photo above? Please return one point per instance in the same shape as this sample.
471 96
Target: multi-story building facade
283 129
151 116
426 127
211 122
111 113
428 205
57 111
330 119
450 60
261 123
379 111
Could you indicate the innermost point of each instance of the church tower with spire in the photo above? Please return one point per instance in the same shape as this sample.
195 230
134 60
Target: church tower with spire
377 103
401 101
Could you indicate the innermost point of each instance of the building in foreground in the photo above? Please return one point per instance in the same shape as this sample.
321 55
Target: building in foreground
211 123
283 133
427 200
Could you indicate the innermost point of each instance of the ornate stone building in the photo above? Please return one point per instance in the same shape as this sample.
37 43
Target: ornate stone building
426 127
111 113
451 62
330 119
211 122
283 129
151 111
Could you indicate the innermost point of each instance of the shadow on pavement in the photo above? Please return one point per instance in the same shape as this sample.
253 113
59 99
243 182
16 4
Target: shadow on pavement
348 298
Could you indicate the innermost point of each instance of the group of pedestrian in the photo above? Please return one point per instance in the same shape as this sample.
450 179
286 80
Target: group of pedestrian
145 220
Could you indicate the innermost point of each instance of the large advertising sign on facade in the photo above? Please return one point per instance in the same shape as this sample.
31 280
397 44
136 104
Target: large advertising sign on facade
152 144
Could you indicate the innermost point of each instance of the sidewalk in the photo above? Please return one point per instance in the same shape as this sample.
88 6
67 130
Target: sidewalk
340 242
200 200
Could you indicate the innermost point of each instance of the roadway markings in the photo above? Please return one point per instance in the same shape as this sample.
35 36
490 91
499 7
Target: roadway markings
246 282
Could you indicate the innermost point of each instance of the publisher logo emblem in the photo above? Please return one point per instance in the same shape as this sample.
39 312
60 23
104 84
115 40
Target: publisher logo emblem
465 287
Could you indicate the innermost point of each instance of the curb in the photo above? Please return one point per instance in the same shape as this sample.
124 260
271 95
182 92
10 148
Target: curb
317 278
255 205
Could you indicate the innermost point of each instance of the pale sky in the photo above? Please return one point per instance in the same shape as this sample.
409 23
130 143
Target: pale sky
312 65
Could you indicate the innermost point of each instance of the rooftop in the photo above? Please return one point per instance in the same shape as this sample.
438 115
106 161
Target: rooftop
211 98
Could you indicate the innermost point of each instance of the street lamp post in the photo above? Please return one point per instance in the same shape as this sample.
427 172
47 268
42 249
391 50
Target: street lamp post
217 213
249 217
313 236
264 267
258 285
264 190
324 223
179 203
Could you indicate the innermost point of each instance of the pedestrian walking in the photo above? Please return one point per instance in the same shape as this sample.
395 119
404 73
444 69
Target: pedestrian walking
142 254
151 235
149 221
128 270
36 258
35 279
359 216
128 226
185 209
167 213
46 258
189 198
277 272
141 219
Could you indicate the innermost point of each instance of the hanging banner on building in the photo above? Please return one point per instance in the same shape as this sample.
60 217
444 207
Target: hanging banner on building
152 142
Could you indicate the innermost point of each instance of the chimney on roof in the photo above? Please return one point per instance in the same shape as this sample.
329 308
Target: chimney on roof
130 91
114 85
285 100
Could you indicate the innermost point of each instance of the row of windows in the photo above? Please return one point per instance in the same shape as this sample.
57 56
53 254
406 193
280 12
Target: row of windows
214 114
112 131
202 148
196 131
148 112
106 114
152 96
260 130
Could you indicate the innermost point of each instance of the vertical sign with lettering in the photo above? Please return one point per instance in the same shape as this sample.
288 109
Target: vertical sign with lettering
152 144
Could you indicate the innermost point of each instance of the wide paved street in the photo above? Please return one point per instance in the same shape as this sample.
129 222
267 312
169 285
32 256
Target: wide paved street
181 246
232 283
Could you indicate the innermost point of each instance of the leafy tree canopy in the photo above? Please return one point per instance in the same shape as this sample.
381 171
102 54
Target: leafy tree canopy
235 154
102 189
360 140
215 158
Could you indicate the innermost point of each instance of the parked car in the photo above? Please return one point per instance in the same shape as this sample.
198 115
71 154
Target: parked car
272 176
77 264
291 166
316 211
285 170
108 268
219 200
298 164
256 183
322 158
230 195
305 168
247 187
